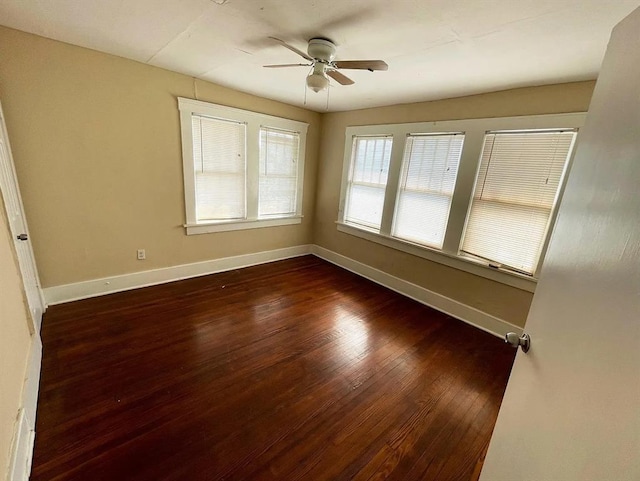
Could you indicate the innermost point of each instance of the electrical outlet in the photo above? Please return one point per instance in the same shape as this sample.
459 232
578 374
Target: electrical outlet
142 255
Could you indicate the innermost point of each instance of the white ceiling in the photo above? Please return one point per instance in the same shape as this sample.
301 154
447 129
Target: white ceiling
435 48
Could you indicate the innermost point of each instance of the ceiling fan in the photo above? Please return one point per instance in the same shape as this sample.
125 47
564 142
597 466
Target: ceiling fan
321 55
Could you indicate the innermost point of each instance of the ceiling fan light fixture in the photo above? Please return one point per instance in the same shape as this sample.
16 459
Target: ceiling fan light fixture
317 81
321 54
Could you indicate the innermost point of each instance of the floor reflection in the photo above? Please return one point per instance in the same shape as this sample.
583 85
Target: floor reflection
353 340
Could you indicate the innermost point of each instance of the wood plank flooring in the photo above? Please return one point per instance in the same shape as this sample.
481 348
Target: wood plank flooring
294 370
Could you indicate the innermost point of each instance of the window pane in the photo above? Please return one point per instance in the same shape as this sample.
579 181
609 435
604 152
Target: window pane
365 206
515 190
278 186
367 180
429 171
219 164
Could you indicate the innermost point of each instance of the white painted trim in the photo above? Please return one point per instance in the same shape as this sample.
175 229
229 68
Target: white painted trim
22 449
522 122
470 315
125 282
253 121
466 264
32 379
25 434
239 115
225 226
10 192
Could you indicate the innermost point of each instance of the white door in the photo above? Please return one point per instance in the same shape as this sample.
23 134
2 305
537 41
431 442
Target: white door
571 411
18 226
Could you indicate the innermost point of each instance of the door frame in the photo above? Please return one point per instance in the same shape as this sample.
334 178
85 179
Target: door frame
8 185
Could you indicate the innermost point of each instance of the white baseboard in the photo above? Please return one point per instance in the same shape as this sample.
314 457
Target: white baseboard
108 285
25 428
32 379
125 282
22 454
470 315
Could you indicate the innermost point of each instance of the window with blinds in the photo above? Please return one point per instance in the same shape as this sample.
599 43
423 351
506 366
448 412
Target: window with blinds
278 186
219 156
367 181
427 181
515 191
241 169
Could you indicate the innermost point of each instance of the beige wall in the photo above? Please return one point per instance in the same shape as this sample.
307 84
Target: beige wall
96 143
15 341
494 298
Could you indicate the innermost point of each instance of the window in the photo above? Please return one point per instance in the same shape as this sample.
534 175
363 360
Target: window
279 152
514 195
478 195
241 169
368 180
220 168
429 171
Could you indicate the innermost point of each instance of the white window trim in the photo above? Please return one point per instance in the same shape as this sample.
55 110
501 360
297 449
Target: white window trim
474 131
254 121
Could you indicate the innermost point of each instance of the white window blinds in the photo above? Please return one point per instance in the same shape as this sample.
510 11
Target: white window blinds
515 191
367 180
429 171
278 172
219 156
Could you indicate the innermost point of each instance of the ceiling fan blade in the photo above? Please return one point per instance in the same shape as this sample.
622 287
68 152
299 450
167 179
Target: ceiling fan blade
362 64
288 65
340 78
292 48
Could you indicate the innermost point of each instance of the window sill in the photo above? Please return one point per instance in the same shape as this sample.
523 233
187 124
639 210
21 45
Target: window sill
466 264
226 226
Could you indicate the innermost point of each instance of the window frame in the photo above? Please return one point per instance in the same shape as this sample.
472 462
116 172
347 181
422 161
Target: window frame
351 173
406 161
554 204
254 121
474 131
268 176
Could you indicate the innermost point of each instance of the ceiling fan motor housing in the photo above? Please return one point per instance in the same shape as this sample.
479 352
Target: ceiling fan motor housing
322 49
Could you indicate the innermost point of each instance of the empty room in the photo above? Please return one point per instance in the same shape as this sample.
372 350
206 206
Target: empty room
319 240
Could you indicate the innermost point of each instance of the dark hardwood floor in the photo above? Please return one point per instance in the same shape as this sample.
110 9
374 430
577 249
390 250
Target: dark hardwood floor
294 370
